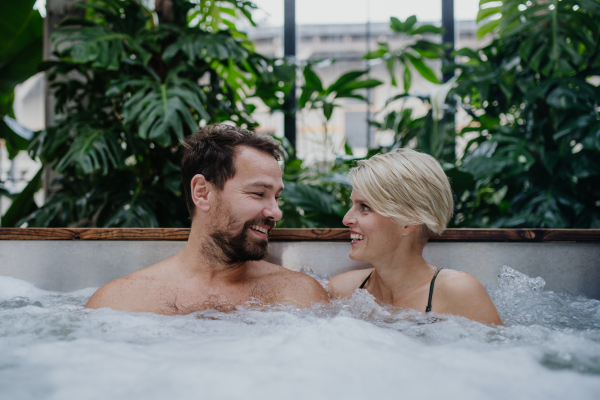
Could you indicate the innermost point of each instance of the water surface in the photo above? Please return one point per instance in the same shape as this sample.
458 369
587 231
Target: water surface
51 347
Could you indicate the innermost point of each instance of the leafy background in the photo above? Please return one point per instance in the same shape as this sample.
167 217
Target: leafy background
130 82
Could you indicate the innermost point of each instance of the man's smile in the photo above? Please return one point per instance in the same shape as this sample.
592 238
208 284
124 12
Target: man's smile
260 231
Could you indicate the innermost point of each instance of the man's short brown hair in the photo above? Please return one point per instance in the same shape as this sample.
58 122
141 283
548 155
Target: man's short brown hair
211 152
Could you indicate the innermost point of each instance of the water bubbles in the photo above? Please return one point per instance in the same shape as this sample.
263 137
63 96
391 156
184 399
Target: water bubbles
332 349
514 282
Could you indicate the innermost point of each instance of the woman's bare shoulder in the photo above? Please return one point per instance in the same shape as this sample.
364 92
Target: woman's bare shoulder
345 284
459 293
454 282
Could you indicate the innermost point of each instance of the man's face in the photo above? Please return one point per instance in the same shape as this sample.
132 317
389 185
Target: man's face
246 209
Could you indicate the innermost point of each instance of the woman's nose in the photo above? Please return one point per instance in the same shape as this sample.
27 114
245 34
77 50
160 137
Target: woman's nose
349 220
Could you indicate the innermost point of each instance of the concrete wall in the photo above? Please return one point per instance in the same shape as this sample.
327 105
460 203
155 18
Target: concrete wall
572 268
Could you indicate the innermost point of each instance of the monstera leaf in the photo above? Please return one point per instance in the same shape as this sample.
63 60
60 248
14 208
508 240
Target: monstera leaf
199 45
98 45
136 213
93 149
159 109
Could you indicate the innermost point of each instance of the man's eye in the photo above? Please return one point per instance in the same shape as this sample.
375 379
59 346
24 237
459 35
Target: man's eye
258 194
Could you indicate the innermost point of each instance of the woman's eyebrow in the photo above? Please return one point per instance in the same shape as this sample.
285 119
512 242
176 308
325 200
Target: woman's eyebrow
359 200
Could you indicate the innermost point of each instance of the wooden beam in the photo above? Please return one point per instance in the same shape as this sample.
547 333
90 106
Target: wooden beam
317 235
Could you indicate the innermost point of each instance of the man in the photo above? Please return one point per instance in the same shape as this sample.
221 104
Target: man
232 182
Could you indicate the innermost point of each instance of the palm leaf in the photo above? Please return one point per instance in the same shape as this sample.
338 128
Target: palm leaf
198 45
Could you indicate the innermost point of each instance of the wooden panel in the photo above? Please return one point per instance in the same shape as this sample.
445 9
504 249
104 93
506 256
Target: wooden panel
334 234
93 234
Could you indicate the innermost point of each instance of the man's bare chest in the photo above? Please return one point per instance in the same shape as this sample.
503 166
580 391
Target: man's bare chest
186 300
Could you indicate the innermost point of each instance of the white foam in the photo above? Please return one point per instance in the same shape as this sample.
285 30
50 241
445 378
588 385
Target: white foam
11 288
53 348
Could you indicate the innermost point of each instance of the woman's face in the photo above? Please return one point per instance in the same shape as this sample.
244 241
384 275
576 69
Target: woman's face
373 236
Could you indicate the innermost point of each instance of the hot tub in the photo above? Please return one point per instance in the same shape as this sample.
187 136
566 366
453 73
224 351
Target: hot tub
71 259
544 282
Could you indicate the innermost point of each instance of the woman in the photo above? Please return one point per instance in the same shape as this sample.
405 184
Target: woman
399 200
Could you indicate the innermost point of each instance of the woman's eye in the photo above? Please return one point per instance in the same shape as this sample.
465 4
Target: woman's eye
364 208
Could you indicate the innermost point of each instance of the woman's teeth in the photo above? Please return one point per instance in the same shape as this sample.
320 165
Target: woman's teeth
258 228
356 236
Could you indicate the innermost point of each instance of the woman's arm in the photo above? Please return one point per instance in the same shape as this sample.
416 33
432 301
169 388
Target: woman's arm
461 294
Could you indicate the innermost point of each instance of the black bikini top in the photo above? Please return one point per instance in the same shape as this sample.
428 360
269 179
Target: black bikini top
428 309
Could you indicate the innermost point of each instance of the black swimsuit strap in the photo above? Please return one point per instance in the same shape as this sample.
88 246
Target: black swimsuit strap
428 309
365 281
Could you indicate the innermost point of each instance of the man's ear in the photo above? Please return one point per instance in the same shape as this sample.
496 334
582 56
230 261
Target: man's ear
201 190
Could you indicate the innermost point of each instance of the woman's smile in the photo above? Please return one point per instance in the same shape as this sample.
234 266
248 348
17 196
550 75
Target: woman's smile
356 237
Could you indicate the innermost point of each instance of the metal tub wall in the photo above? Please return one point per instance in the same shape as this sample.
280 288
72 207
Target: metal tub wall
67 265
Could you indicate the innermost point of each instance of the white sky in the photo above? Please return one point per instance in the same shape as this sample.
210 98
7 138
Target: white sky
358 11
353 11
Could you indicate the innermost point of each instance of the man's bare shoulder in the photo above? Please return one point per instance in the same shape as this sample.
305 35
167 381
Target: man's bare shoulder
138 291
343 285
299 288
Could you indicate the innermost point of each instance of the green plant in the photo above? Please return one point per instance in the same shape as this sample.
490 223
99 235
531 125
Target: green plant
313 198
421 47
319 196
129 83
412 54
20 53
315 96
536 120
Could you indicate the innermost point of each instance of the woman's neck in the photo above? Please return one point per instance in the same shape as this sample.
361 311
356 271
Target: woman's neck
400 272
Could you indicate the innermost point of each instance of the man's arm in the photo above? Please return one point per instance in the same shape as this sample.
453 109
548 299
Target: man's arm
302 290
122 294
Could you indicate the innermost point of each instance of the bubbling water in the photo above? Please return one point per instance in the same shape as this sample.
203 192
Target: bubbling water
51 347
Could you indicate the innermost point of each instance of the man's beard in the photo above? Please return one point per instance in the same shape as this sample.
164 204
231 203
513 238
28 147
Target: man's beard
231 248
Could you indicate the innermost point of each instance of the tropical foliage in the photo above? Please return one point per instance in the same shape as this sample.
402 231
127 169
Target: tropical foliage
318 195
20 53
534 98
129 84
421 50
315 96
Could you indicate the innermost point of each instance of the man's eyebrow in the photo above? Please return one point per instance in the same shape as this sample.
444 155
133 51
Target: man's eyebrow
262 185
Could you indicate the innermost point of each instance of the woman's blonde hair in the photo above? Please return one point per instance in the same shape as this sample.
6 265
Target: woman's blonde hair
407 186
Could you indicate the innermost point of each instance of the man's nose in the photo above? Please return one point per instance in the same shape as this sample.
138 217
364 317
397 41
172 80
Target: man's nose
273 211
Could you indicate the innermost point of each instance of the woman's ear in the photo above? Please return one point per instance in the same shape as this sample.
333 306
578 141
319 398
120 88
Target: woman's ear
409 229
200 189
